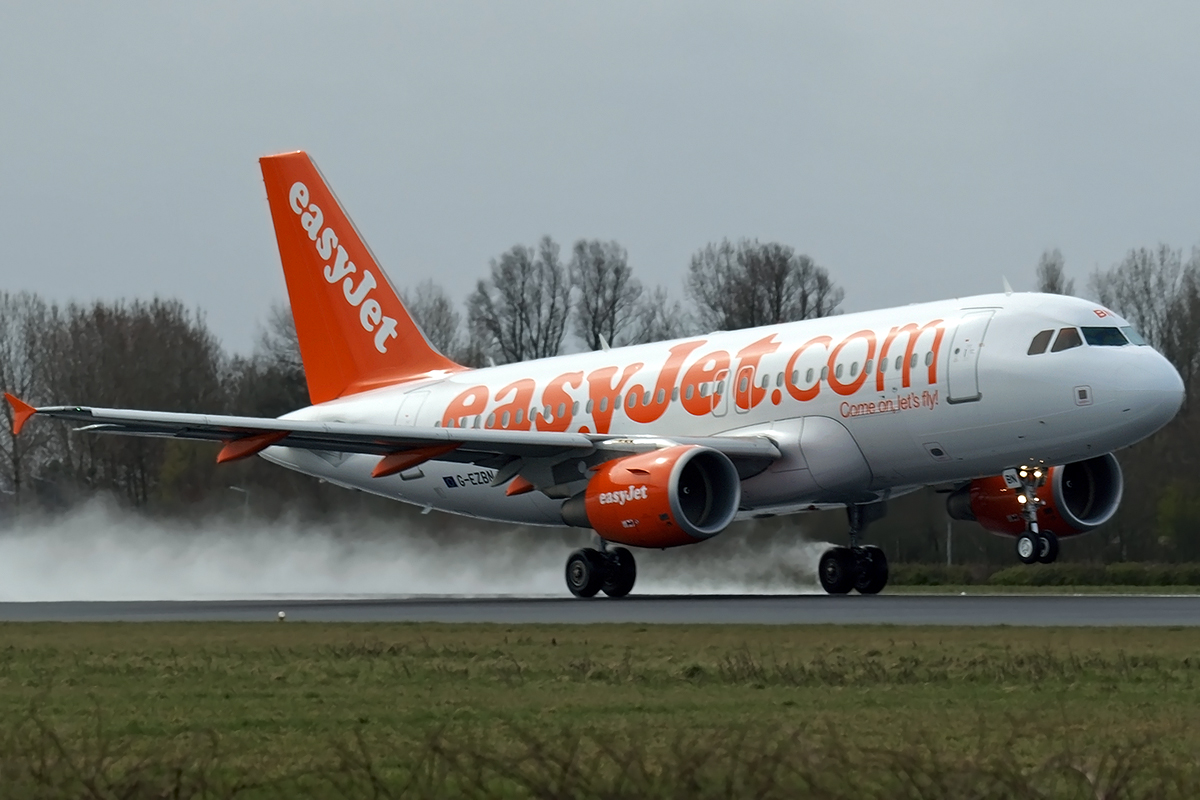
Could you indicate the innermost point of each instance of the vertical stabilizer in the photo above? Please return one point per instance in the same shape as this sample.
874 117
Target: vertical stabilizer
354 332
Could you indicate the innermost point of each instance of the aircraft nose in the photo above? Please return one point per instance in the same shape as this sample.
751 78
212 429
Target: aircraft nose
1161 392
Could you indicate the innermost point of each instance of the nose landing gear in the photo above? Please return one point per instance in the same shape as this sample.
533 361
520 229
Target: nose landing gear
864 569
1034 545
612 571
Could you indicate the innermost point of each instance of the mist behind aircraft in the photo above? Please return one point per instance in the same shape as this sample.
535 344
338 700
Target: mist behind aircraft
99 553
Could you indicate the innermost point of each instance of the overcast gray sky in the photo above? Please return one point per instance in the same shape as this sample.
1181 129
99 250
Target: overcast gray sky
917 150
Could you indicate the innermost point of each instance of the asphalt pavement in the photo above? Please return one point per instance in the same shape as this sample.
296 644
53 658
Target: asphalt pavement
1039 610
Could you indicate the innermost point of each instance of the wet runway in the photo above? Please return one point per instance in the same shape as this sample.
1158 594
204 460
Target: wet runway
1046 610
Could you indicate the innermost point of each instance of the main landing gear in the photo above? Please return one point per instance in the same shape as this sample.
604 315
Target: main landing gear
1034 545
612 571
864 569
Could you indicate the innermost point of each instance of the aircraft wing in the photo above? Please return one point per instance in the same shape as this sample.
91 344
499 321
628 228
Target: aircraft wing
245 436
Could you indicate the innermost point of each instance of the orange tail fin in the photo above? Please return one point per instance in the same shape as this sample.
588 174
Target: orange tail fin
354 332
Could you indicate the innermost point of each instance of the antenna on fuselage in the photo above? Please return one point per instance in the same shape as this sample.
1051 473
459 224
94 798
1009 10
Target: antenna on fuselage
1007 286
603 341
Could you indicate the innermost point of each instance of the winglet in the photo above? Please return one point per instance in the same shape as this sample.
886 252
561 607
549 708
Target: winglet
22 411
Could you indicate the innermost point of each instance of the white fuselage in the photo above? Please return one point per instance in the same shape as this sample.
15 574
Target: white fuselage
863 406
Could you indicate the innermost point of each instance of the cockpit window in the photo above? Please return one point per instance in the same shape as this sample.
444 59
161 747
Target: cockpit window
1067 338
1040 343
1105 337
1133 336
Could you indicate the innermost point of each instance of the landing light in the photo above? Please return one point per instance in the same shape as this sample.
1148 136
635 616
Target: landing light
1021 499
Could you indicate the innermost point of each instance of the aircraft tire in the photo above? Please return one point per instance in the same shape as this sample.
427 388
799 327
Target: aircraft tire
1028 547
1047 547
585 572
870 570
836 570
622 573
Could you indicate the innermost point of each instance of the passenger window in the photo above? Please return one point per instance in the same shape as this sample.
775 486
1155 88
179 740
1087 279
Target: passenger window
867 367
1067 338
808 376
1104 337
899 361
929 358
837 373
690 393
505 419
662 397
743 384
590 405
1040 343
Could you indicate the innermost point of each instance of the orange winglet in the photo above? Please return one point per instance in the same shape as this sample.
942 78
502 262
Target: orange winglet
249 445
407 459
518 485
22 411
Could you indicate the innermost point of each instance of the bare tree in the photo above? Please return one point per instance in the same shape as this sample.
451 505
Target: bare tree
278 343
23 319
154 355
1051 275
751 284
520 311
1159 293
607 294
271 382
659 317
436 316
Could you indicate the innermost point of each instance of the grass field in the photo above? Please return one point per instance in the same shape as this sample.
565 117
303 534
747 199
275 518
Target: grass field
293 709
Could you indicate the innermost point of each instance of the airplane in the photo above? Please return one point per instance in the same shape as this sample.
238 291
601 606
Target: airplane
1014 401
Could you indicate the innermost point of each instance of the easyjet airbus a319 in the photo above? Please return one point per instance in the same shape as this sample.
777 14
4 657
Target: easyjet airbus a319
1017 401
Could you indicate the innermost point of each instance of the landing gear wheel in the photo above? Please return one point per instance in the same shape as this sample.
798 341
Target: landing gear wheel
585 572
622 572
1028 547
870 570
1047 547
836 570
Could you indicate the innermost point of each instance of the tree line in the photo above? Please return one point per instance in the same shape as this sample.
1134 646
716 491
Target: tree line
534 301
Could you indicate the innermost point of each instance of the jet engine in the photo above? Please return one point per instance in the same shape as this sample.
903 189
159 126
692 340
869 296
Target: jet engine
664 498
1077 498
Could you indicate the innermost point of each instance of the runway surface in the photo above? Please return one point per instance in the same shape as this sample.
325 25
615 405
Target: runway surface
1046 610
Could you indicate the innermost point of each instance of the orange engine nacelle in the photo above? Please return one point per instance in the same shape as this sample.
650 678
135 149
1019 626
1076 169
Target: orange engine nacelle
1077 498
665 498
